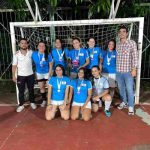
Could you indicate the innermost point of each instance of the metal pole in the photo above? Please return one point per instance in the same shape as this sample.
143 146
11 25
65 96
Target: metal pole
30 9
13 43
140 43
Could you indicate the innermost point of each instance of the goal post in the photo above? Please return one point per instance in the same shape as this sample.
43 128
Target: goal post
102 29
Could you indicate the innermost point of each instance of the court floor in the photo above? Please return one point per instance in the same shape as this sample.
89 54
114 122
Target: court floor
29 130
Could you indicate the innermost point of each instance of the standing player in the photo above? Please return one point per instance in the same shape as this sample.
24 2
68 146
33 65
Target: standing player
78 57
59 54
100 91
22 63
43 64
109 65
58 91
95 55
126 63
82 91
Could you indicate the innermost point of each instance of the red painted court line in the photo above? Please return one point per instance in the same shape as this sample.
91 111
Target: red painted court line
119 132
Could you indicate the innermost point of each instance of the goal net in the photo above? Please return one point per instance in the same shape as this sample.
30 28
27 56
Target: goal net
102 30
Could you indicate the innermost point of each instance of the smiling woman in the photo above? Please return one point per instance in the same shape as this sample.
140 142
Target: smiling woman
58 88
81 89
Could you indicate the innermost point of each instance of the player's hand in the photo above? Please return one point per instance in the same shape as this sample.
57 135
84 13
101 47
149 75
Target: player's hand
95 99
62 107
83 107
49 107
14 79
133 73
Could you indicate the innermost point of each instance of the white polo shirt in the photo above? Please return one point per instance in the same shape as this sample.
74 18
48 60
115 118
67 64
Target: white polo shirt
23 62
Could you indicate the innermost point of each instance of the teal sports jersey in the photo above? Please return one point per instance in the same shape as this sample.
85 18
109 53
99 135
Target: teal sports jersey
109 62
58 87
94 54
41 65
58 56
80 88
78 58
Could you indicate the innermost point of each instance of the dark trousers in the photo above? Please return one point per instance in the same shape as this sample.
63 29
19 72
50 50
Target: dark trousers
21 81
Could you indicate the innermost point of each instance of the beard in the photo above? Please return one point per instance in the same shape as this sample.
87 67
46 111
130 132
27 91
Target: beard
24 48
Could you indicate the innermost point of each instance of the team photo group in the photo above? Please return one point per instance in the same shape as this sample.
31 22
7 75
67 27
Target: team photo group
80 80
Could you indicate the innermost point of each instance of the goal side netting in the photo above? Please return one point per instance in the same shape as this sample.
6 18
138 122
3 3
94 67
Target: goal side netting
101 29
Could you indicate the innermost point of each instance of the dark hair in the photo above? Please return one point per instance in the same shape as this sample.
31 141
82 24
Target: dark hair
98 68
123 27
45 52
91 38
114 41
76 38
62 46
63 70
92 80
23 39
85 74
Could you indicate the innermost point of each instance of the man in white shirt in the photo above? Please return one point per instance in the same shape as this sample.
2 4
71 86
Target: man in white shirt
22 63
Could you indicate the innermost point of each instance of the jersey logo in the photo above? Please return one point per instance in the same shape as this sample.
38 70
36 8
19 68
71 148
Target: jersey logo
81 54
63 82
95 52
83 84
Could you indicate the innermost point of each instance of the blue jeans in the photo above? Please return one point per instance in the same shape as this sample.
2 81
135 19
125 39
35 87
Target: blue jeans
125 84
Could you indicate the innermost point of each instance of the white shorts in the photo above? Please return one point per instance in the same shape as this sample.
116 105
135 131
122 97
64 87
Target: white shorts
81 104
111 77
57 103
42 76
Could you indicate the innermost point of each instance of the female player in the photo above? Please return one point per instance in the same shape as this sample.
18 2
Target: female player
43 65
58 90
100 91
109 65
95 55
82 91
59 54
78 57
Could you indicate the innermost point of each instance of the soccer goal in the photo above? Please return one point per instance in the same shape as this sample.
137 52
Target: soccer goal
101 29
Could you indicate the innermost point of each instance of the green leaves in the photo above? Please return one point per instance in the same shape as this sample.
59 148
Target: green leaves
96 8
99 6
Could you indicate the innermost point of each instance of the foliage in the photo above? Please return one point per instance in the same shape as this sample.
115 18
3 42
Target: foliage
96 8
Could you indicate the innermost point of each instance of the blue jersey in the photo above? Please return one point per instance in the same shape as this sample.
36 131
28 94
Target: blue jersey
78 58
109 62
80 88
58 87
94 54
58 56
41 65
100 85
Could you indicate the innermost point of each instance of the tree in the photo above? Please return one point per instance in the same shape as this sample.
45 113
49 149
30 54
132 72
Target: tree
96 8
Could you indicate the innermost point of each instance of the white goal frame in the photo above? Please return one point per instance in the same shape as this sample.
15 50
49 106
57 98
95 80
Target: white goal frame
140 20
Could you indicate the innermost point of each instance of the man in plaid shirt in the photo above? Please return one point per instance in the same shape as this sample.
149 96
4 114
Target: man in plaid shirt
126 64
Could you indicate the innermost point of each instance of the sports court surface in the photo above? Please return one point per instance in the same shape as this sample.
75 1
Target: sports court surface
29 130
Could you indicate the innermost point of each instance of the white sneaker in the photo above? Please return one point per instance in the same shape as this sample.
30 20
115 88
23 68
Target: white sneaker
20 108
122 105
131 111
33 106
43 104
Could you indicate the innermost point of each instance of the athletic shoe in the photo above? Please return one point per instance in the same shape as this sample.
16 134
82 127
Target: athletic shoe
107 113
43 104
122 105
131 111
20 108
33 106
